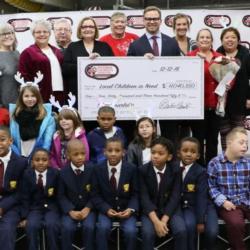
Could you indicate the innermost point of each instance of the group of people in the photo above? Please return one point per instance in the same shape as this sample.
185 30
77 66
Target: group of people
53 174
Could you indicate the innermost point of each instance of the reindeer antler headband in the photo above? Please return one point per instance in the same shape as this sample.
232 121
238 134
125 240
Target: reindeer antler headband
37 79
71 102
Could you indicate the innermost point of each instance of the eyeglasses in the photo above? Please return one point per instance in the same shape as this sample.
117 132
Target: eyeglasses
65 30
7 34
88 27
154 19
41 32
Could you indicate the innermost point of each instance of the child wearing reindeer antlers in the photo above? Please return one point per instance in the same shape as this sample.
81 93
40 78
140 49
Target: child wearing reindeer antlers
69 127
32 124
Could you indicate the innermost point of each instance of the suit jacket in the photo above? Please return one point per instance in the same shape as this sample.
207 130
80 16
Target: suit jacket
126 195
33 198
74 190
10 196
75 50
167 198
194 192
142 46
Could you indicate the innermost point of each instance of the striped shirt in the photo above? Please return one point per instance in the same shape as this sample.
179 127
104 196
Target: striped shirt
229 181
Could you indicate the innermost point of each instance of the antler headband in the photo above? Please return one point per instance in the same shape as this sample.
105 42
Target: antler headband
71 102
37 79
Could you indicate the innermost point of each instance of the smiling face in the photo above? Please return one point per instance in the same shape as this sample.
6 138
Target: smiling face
189 152
114 152
41 35
88 30
204 40
7 40
40 161
66 124
230 41
181 27
159 156
152 21
29 98
118 26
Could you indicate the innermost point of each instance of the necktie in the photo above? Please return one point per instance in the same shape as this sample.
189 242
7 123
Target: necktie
78 171
113 179
40 181
161 178
183 168
155 46
1 175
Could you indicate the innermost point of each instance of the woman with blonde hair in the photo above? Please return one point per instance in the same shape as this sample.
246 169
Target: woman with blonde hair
9 57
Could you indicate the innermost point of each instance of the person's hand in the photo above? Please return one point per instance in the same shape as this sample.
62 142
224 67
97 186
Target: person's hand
225 60
22 223
160 228
228 205
165 219
94 55
85 212
200 228
75 215
112 213
248 104
124 214
149 56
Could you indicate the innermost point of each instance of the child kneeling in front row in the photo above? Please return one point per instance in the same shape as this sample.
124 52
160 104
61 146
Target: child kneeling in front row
39 202
11 171
74 197
115 195
229 185
198 211
160 183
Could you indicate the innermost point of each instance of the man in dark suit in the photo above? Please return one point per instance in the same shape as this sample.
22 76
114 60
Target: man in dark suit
154 43
115 195
11 171
74 197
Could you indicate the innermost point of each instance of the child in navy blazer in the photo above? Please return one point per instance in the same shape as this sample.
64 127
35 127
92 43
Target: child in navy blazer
160 197
11 171
74 197
198 211
98 137
115 195
39 202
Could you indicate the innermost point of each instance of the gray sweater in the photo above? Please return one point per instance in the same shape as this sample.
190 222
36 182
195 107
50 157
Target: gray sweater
8 85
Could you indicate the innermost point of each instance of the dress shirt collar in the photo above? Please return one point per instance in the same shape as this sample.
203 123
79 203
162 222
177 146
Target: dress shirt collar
42 173
6 158
158 35
157 170
74 168
118 167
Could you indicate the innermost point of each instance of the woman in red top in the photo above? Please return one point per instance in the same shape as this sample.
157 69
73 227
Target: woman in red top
207 129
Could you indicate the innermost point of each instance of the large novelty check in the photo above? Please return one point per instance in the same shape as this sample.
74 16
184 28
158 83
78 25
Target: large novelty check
163 88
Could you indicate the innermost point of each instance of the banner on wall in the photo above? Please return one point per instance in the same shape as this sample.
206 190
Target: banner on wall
216 20
166 87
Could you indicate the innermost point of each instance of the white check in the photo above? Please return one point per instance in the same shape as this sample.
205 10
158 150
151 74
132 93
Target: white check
164 88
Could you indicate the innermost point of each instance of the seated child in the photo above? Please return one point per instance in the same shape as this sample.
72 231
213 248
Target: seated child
98 136
139 149
198 211
229 185
39 202
74 197
11 171
115 195
160 183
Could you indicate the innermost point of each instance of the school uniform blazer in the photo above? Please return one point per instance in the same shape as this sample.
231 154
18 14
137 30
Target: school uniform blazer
33 198
142 46
167 198
126 195
10 196
194 192
73 190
